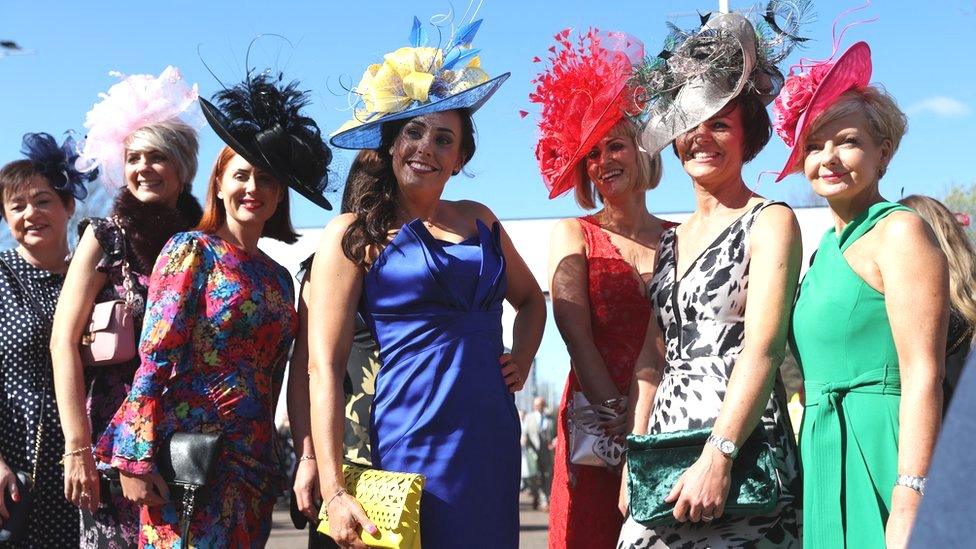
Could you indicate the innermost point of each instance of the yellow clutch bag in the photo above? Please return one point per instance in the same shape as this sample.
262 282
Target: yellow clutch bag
391 500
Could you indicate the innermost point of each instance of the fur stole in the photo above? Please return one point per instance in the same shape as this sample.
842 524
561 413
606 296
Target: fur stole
149 226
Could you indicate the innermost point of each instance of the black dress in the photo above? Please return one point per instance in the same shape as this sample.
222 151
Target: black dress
25 377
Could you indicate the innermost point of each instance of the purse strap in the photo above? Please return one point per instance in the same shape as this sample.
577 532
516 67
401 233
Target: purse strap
127 283
39 431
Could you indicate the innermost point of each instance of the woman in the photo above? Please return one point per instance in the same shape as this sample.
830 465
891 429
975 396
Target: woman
429 276
722 289
598 264
357 387
147 153
220 322
38 196
869 325
958 249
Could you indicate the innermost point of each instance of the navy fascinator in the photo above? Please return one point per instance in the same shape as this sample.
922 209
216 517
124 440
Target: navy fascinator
57 163
261 119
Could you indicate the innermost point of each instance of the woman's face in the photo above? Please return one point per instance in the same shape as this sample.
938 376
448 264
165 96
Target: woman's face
152 177
37 217
712 152
427 150
842 159
612 165
250 194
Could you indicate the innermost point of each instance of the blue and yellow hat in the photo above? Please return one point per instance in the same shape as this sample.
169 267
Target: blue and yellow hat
417 80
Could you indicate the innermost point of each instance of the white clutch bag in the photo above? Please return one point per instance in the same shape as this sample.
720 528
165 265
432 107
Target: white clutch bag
588 444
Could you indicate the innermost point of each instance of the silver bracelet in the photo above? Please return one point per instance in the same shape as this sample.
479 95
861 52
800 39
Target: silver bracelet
913 482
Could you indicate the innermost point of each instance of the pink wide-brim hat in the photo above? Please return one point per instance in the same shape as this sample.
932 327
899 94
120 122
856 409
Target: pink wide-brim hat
851 71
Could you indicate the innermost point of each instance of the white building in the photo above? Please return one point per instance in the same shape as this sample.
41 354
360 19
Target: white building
531 238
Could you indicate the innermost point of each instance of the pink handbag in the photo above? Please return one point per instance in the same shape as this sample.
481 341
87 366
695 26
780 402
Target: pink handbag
111 336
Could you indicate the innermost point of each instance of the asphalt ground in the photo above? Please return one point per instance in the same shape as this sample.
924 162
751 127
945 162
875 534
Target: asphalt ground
534 529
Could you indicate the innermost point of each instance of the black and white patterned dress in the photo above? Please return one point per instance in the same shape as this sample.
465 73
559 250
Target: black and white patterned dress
702 317
25 376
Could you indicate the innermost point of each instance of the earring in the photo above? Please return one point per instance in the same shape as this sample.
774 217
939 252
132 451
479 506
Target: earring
455 172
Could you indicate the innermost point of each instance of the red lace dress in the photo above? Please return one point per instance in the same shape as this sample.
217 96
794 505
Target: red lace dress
583 510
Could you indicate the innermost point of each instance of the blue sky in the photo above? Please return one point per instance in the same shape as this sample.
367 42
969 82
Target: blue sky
921 51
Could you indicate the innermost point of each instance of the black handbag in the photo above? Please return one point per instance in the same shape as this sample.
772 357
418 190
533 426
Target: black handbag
185 461
14 529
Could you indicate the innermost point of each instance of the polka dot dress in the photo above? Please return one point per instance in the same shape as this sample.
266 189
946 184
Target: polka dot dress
25 375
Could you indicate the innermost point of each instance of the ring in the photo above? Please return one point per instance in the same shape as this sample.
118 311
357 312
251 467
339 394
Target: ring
85 495
707 518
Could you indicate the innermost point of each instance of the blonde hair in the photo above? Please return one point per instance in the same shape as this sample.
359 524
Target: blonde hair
649 170
885 119
957 248
174 139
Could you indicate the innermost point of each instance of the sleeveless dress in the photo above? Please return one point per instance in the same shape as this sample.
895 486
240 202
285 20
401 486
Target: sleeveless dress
702 317
441 406
583 510
849 435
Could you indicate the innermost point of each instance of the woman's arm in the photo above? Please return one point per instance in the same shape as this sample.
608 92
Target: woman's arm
81 287
336 286
525 296
648 371
568 288
176 287
916 287
776 254
306 474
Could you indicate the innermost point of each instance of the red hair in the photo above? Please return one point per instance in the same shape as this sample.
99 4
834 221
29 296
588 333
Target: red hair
215 215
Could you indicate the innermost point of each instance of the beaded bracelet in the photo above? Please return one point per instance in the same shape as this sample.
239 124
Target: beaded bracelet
77 451
307 457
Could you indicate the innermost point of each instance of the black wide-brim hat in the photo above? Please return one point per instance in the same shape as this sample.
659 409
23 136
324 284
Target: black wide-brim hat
274 136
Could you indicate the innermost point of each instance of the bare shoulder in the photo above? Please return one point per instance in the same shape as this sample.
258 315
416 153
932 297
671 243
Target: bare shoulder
89 251
775 223
339 224
567 233
472 209
903 232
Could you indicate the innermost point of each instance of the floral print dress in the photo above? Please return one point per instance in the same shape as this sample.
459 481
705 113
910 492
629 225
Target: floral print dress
219 323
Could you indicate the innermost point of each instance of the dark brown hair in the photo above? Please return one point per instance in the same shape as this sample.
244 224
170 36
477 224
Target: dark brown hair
756 126
371 190
18 175
215 215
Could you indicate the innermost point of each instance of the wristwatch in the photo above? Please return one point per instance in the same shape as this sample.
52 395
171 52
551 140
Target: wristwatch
724 445
915 483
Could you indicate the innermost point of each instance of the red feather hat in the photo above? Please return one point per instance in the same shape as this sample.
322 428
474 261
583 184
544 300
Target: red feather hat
584 93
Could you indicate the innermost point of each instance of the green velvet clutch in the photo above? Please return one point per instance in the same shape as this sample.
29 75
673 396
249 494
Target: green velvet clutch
654 463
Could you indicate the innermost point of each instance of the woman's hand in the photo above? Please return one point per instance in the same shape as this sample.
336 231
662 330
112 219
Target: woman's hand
149 489
306 487
81 481
615 424
699 494
904 507
8 483
512 373
346 517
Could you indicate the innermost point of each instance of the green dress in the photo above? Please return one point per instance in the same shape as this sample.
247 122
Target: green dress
849 435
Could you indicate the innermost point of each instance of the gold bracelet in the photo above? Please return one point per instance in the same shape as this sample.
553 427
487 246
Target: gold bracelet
77 451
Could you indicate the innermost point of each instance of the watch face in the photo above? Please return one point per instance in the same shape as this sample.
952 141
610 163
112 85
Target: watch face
727 446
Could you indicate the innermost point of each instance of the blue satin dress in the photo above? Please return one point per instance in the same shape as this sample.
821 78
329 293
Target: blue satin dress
441 407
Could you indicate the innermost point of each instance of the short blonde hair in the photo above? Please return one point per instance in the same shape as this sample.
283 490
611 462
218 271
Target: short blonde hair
885 119
649 170
174 139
